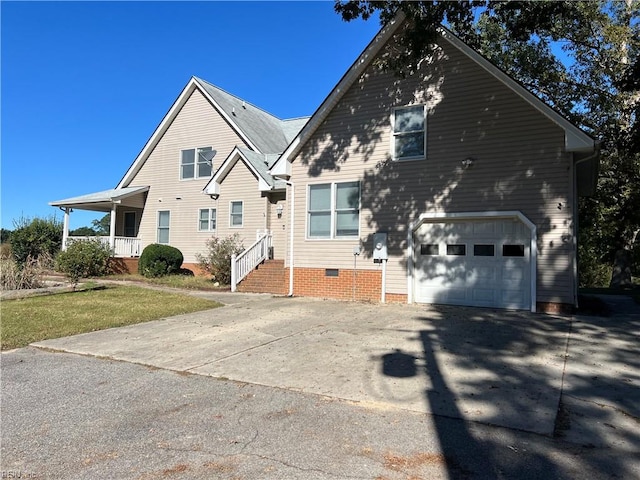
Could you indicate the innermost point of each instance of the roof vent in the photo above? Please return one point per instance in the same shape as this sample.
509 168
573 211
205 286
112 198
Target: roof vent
233 110
244 105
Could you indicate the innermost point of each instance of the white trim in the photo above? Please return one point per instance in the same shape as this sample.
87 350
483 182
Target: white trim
158 227
575 138
494 215
332 211
393 134
209 209
196 154
362 62
241 202
213 186
166 122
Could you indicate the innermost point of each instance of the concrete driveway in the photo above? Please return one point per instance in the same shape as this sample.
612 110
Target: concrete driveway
489 366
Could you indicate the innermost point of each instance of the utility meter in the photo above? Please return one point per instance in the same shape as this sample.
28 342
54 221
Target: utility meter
379 247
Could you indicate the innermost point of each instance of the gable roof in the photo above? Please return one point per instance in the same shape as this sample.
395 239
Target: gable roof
575 139
100 200
258 163
261 131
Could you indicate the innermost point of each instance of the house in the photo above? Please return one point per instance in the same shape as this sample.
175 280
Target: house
452 185
160 197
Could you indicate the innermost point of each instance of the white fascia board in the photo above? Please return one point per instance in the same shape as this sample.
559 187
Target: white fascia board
228 118
157 134
575 138
213 187
358 67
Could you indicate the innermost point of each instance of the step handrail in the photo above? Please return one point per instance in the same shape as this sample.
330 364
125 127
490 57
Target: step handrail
248 260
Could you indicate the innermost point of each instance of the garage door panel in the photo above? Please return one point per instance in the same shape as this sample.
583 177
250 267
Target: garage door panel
483 273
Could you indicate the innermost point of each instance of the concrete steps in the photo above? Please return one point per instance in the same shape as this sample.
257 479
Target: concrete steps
268 277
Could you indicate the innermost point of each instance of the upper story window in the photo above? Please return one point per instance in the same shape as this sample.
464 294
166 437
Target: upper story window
334 210
408 139
207 219
193 164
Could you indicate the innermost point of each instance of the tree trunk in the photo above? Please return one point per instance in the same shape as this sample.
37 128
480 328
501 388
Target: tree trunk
621 275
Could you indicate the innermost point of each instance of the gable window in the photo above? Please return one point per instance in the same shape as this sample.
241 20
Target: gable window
235 214
193 164
408 140
334 210
207 220
164 219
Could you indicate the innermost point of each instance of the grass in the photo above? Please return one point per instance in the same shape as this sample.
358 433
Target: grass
175 281
33 319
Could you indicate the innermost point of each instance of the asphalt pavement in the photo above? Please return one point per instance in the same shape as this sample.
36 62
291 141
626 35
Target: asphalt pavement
269 387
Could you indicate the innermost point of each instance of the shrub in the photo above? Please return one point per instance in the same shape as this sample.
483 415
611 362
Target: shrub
217 260
158 260
27 275
35 237
592 271
84 258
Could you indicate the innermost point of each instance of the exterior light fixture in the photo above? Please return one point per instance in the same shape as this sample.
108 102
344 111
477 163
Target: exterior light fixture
279 210
467 162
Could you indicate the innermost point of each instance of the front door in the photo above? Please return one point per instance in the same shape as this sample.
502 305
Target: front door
129 224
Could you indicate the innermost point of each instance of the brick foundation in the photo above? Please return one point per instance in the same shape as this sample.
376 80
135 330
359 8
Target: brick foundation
559 308
315 282
123 265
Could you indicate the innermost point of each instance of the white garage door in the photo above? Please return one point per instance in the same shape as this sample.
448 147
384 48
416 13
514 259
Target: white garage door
483 263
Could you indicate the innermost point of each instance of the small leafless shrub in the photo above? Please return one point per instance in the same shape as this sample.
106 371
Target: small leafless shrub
29 275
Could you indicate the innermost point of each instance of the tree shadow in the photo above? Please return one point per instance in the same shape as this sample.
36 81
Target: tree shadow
505 369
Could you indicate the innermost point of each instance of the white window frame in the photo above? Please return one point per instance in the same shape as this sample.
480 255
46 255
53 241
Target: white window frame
395 134
209 212
333 211
168 242
197 161
231 225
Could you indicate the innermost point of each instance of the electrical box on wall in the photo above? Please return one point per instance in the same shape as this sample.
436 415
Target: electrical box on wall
379 247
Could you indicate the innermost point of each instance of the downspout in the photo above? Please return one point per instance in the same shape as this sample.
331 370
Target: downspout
291 227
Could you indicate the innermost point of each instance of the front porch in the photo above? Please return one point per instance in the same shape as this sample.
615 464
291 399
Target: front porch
125 206
122 247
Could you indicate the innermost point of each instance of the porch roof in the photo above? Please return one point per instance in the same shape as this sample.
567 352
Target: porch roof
100 201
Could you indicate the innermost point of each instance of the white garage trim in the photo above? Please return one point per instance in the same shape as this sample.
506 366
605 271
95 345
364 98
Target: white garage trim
438 217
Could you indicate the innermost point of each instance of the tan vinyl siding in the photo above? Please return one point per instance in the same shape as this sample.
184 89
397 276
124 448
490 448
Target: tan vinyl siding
520 164
196 125
241 185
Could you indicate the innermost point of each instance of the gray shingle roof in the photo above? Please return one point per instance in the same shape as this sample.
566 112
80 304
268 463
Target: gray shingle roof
264 130
261 163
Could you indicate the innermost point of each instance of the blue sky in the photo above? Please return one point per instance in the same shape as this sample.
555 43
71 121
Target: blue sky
84 84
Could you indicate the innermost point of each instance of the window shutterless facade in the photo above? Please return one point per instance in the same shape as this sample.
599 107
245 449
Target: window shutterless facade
164 221
409 133
207 219
333 210
235 214
193 164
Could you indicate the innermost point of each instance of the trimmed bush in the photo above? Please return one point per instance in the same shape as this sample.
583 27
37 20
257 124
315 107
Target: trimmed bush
35 237
84 258
158 260
217 260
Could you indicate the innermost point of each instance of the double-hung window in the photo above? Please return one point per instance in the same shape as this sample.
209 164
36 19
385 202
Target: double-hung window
334 210
193 163
408 140
235 214
164 220
207 220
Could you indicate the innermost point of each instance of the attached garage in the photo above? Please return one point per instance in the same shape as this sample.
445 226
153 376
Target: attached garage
475 259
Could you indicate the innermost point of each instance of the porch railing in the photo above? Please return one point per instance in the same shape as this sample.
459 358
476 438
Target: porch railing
246 261
124 246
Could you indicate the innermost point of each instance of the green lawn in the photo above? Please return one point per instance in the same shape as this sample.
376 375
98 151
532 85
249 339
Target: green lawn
52 316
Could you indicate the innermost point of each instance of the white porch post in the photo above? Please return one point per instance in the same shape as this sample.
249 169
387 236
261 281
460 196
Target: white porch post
65 228
112 227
